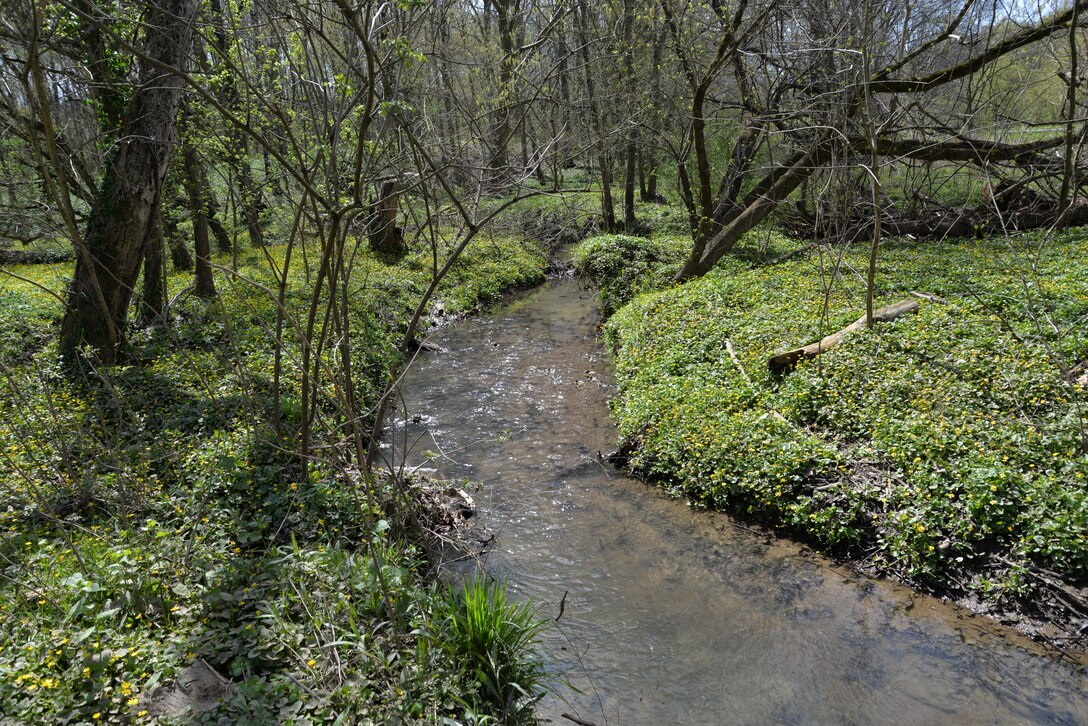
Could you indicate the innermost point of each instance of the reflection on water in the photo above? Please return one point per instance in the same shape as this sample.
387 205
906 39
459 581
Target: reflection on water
676 616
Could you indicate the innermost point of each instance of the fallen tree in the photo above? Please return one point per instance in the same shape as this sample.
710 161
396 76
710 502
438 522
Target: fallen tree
1012 207
784 362
33 257
804 123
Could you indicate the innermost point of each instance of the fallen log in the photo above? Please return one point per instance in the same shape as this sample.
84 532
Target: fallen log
929 297
1010 207
1078 374
786 361
20 257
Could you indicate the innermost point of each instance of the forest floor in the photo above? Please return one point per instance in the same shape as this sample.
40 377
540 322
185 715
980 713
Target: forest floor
154 529
947 449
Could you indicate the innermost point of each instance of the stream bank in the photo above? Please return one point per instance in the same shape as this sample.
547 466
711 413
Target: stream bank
946 449
156 535
672 614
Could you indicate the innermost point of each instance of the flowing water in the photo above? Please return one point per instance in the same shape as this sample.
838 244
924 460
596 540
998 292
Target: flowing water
678 616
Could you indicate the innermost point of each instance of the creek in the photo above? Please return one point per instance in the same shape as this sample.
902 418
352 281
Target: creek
674 615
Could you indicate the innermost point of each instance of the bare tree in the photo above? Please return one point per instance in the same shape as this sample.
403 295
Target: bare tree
809 114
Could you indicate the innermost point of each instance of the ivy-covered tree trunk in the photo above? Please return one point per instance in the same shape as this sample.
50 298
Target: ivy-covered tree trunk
502 128
120 224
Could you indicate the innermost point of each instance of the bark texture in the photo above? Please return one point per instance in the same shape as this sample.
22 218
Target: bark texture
205 284
385 236
154 294
120 224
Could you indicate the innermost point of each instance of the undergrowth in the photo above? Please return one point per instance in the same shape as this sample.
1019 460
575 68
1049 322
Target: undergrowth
948 447
151 516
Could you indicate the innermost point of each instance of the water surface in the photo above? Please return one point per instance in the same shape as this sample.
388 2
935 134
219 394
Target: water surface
678 616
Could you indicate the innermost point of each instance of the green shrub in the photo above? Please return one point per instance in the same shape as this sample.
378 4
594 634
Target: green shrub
624 266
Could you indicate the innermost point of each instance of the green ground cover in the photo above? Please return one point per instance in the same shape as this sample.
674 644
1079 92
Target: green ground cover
945 447
150 518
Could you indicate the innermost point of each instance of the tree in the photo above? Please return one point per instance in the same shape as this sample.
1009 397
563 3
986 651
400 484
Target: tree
802 97
227 44
586 21
194 188
119 228
45 199
733 31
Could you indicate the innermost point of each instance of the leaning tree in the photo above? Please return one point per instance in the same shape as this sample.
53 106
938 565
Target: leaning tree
839 86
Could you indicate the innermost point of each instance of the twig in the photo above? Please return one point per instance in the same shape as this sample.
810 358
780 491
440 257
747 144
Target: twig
174 299
1058 588
929 297
736 361
790 255
562 605
575 719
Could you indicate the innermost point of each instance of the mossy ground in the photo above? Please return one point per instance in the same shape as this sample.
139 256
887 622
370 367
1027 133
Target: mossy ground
150 517
948 448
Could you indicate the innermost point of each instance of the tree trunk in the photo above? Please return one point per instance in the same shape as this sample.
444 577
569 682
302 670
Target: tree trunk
608 208
222 239
252 202
237 142
154 293
774 188
209 206
502 131
385 236
107 80
204 283
1068 186
180 256
642 176
629 221
120 223
648 155
651 181
538 165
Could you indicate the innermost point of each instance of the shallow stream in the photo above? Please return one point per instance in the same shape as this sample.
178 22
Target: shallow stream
673 615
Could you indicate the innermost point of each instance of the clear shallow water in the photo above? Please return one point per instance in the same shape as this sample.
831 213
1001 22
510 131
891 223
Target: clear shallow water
676 616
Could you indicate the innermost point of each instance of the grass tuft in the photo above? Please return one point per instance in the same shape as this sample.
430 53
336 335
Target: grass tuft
493 639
